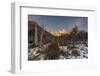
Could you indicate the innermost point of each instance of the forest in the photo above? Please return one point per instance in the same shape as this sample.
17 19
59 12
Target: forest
43 45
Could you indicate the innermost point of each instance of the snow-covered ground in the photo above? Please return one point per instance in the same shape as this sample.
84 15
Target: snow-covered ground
81 49
80 52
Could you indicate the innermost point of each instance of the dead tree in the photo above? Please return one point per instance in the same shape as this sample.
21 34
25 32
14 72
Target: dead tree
42 33
36 35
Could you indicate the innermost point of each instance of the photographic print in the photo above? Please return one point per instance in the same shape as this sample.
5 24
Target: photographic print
44 39
57 37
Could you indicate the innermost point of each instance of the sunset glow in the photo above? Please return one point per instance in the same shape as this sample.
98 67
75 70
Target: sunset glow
59 32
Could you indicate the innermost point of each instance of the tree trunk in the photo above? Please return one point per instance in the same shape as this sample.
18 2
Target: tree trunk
36 36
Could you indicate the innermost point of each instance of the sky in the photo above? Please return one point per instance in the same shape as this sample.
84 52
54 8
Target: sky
55 23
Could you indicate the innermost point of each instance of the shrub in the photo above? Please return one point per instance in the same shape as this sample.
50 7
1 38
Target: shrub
52 52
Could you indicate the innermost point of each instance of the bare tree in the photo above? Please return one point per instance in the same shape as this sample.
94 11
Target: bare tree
73 34
42 33
36 36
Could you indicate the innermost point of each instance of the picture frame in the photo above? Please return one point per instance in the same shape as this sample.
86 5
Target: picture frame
19 38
